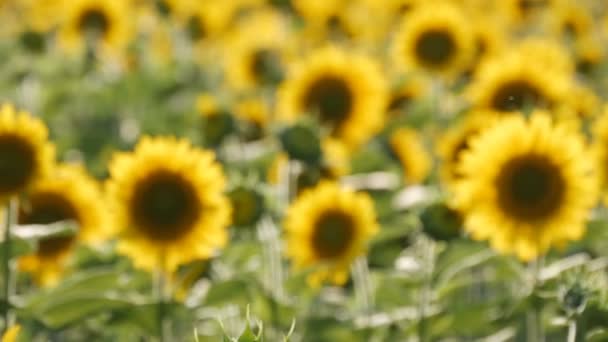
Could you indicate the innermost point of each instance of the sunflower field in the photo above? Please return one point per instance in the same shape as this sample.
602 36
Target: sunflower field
304 170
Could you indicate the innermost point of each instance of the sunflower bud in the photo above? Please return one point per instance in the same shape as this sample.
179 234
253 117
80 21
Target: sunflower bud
441 222
302 142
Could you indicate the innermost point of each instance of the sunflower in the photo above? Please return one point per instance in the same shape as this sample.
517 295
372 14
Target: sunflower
168 202
254 116
415 160
490 38
456 140
361 22
318 12
437 38
529 77
336 159
274 173
99 24
405 93
582 103
258 50
527 185
218 121
335 163
345 92
253 110
41 15
328 226
570 20
394 8
522 11
589 52
12 334
203 20
68 194
25 153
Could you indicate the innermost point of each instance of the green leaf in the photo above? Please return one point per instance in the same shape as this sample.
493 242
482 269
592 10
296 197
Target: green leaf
74 310
19 247
248 335
227 292
83 284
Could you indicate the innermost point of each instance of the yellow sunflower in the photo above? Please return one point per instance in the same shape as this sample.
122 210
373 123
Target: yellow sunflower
548 53
570 20
41 15
218 121
168 202
527 185
328 226
491 38
253 110
258 51
68 194
25 153
275 169
405 93
522 11
336 159
456 140
345 92
318 12
203 20
12 334
394 8
335 164
529 77
582 103
104 25
590 52
415 160
436 38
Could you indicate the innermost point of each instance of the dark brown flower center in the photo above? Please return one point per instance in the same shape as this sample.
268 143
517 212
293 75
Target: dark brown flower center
164 206
333 235
17 163
331 98
94 21
517 95
196 28
247 206
530 187
399 102
266 66
527 6
47 208
435 48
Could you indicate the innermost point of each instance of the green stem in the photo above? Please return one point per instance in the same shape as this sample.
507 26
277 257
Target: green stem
428 260
535 329
6 263
160 292
572 330
363 286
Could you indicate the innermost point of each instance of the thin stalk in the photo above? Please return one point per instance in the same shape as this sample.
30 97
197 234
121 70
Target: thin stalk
363 287
428 259
268 234
160 294
572 330
10 214
534 319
